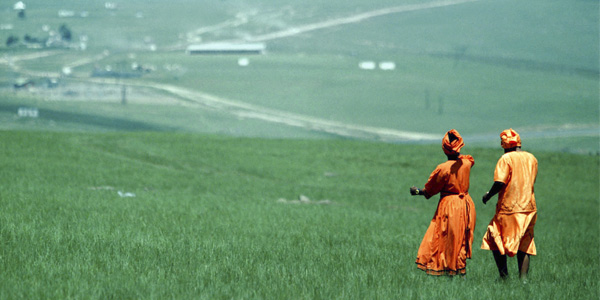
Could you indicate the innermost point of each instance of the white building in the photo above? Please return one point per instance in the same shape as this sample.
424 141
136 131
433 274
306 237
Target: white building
227 48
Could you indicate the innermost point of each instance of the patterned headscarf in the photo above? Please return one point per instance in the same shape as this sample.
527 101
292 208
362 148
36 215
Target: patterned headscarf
452 142
510 139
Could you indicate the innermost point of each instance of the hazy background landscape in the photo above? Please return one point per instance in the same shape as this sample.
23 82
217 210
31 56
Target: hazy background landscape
477 66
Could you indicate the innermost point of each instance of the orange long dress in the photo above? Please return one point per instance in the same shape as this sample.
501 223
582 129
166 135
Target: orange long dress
448 240
511 229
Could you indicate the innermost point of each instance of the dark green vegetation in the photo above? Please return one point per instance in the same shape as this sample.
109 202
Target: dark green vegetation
206 220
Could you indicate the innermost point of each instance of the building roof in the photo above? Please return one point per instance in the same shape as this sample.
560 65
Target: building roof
227 48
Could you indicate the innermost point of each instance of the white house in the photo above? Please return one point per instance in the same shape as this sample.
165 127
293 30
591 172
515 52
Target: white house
227 48
19 6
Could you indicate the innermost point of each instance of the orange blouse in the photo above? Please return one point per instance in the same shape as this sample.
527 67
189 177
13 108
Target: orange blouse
518 171
450 177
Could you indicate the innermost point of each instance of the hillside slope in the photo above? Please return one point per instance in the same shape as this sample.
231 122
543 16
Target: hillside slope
162 215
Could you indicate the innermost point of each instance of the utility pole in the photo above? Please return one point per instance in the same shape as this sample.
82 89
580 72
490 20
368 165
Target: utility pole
123 94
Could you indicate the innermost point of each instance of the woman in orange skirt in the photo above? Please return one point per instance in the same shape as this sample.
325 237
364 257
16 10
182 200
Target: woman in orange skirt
447 242
510 232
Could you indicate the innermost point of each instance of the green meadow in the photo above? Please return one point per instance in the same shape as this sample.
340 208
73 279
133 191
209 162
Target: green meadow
190 183
479 67
213 217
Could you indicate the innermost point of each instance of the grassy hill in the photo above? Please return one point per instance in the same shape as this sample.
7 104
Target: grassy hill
215 217
479 67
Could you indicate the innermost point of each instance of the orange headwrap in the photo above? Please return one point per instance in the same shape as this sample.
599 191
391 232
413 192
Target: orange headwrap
510 139
452 142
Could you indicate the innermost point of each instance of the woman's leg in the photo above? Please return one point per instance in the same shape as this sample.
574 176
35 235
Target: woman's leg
501 263
523 260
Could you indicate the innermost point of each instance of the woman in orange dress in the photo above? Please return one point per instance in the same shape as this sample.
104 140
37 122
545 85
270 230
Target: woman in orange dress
447 242
510 232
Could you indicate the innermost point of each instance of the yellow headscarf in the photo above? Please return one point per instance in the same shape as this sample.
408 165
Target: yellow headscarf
510 139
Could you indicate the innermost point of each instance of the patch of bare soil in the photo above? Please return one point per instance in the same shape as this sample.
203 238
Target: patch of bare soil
302 199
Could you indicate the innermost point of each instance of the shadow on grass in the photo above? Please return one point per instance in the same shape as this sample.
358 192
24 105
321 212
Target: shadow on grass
88 119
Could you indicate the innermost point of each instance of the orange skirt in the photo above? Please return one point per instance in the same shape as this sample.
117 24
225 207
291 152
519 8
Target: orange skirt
509 233
448 240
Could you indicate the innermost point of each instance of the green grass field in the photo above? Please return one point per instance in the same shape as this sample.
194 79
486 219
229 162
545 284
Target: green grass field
207 220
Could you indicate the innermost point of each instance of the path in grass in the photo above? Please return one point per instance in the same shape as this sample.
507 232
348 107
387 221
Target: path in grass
12 62
250 111
242 19
351 19
245 110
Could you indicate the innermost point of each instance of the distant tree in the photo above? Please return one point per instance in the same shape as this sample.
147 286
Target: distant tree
11 40
65 32
33 40
21 14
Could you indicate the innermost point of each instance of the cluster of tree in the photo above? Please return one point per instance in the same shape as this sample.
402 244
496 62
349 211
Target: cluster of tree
12 40
63 31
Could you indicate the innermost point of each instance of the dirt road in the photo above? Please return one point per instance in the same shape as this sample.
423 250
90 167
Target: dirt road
353 19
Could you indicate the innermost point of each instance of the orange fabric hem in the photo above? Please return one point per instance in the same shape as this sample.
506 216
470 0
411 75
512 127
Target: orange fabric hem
492 247
510 233
446 272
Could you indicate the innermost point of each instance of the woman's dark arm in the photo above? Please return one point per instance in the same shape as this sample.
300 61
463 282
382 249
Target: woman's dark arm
496 187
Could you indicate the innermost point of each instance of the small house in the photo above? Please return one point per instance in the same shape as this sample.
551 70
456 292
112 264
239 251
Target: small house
227 48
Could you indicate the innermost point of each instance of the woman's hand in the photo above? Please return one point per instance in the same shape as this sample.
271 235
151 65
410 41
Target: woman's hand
486 198
414 191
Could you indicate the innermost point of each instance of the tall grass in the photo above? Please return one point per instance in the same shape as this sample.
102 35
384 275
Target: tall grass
206 220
